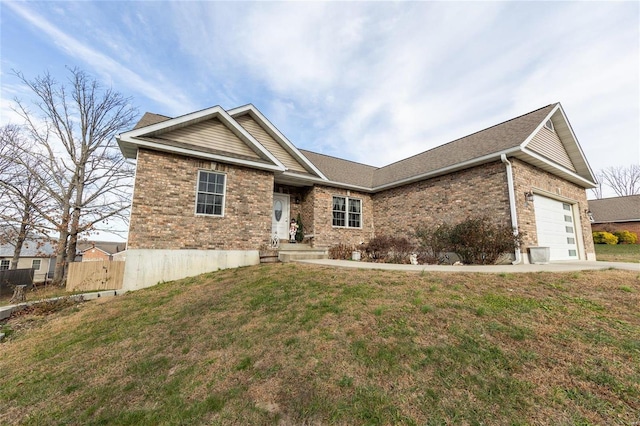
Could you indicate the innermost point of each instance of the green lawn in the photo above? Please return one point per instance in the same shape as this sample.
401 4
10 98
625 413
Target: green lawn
618 252
290 344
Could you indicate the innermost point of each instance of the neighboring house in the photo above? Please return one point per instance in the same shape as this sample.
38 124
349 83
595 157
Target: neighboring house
99 250
616 214
38 255
214 185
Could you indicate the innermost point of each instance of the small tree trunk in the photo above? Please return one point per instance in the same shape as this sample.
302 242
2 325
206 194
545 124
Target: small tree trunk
18 295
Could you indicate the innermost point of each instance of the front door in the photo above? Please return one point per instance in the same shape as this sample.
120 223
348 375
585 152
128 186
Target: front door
280 216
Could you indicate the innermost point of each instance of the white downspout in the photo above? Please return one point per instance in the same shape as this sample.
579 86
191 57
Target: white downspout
512 204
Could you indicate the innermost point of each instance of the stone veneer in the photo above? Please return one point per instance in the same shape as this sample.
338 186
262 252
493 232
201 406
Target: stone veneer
163 210
450 198
529 178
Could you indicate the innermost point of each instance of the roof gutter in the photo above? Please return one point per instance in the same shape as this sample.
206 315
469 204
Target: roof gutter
512 205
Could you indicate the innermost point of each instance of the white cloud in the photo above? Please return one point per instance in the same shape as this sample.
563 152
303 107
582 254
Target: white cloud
164 94
375 81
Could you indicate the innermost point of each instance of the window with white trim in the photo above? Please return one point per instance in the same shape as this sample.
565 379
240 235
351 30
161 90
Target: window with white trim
35 264
549 125
211 191
347 212
4 264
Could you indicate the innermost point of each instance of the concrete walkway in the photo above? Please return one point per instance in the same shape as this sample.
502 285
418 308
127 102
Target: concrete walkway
565 266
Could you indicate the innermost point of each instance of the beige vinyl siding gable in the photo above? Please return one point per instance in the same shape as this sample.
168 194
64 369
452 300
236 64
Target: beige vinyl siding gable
547 143
251 126
210 134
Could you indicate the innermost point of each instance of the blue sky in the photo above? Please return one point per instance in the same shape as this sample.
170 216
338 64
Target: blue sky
373 82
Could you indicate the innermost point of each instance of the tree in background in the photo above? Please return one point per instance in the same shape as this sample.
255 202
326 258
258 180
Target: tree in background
85 177
22 195
622 180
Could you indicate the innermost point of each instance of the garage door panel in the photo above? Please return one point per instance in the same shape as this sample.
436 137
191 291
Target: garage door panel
555 228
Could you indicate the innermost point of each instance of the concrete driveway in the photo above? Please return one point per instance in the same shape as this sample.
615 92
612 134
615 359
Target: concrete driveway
567 266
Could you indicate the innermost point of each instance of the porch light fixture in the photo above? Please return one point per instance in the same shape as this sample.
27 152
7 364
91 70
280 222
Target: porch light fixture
589 215
528 198
296 200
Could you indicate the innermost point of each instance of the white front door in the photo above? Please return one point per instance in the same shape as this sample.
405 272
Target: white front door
280 216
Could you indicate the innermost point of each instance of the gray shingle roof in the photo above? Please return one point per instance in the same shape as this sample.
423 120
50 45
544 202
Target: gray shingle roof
30 248
106 246
492 140
616 209
485 144
343 171
150 118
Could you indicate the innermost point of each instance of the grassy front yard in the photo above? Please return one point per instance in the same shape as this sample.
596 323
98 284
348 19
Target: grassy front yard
292 344
618 253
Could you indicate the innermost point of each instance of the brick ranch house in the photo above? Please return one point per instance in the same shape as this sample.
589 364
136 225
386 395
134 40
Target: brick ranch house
214 185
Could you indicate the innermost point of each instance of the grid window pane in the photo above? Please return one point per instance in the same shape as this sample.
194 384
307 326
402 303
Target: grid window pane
354 213
347 212
4 264
210 197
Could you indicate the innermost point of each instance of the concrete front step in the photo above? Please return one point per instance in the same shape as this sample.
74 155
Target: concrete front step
288 252
296 247
292 256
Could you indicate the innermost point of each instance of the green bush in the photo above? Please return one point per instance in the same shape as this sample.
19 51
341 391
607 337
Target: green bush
626 237
604 238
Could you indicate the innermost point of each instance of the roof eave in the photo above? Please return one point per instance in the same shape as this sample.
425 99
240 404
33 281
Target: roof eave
128 144
559 170
205 114
574 140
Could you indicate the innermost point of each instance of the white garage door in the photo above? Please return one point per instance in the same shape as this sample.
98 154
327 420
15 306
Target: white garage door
555 227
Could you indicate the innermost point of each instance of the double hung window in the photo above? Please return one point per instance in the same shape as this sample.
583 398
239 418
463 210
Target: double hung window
211 191
347 212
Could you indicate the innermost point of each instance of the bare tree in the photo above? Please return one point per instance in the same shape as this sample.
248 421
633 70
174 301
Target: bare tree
597 191
622 180
21 193
83 172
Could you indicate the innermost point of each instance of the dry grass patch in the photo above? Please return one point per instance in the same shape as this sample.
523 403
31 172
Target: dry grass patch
298 344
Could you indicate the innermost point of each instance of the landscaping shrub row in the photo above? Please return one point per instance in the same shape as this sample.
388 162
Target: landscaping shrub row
618 237
475 241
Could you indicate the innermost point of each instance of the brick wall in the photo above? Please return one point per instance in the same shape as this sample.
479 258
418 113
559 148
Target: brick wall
163 210
325 233
93 254
529 178
451 198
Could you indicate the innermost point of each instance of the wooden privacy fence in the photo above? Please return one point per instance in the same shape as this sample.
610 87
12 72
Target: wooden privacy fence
88 276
